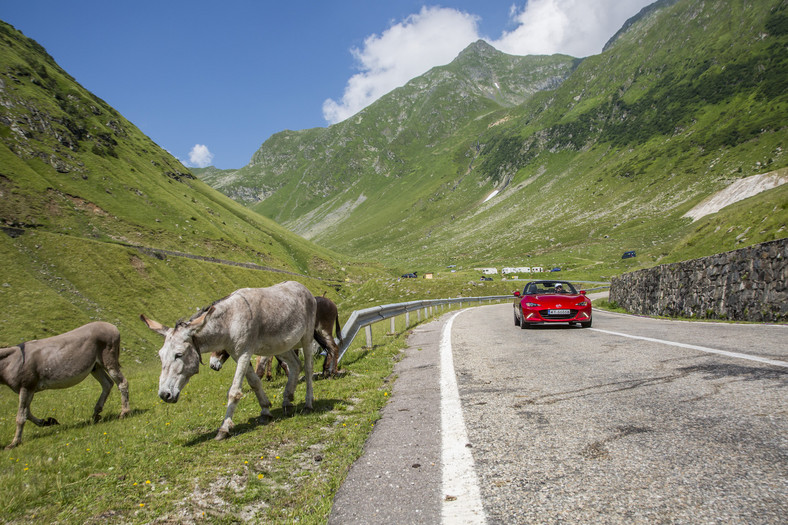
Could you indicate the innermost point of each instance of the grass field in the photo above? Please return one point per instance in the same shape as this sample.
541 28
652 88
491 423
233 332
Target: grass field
161 464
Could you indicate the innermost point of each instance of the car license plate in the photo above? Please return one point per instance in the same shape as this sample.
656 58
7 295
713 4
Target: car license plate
558 312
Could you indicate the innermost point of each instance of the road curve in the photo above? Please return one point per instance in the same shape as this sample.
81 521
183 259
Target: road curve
636 420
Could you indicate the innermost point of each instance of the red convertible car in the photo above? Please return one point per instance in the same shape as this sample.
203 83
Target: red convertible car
546 302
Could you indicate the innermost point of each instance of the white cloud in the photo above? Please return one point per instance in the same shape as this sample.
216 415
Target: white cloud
435 36
200 157
574 27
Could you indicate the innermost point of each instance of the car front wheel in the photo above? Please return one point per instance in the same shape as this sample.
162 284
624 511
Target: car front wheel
523 324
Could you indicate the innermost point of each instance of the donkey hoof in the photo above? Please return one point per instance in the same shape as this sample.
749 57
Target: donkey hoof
264 419
50 422
222 435
12 445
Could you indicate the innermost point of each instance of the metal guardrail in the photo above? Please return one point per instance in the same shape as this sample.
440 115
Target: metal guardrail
368 316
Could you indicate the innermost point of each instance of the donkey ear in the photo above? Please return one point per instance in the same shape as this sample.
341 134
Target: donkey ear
155 325
196 324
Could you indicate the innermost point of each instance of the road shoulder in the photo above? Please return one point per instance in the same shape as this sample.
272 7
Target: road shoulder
398 477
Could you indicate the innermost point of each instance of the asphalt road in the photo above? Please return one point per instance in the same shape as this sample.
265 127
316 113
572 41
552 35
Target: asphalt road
612 424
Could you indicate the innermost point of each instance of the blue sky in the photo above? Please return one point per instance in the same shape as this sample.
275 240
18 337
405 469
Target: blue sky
211 81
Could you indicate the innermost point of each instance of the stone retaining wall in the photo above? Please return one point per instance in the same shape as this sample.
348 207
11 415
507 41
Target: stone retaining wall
750 284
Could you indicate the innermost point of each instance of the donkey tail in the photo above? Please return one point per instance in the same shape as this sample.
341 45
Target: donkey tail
339 331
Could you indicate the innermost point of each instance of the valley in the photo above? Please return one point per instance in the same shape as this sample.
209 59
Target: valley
657 145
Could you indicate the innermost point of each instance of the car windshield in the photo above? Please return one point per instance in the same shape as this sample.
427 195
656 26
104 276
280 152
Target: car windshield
549 287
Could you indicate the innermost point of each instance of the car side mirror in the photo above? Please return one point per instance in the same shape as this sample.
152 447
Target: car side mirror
517 294
582 292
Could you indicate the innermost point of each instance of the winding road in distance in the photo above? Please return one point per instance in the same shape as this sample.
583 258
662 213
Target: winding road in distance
635 420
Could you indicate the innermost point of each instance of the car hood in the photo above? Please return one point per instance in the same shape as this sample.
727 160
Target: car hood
553 299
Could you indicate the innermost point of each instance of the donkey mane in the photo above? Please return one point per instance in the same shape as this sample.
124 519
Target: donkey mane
11 350
182 322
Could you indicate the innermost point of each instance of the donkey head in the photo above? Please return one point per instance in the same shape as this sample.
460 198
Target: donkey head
180 357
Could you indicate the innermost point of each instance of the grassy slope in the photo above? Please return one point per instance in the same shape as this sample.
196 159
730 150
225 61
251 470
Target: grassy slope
78 185
688 99
83 183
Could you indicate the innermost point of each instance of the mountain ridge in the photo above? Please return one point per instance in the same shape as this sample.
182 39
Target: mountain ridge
686 99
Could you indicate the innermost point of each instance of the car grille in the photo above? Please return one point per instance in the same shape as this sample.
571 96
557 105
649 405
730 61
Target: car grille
545 315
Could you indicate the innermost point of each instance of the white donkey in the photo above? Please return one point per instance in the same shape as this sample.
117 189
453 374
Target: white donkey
62 361
250 321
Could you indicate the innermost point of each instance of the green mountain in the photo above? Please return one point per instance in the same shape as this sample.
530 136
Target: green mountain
103 223
502 160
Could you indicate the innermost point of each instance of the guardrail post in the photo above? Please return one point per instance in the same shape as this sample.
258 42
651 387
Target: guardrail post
407 319
393 325
368 332
418 315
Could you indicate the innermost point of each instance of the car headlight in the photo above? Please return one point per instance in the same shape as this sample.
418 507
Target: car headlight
532 305
582 303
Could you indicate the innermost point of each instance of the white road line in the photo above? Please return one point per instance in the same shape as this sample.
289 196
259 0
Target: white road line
462 502
765 360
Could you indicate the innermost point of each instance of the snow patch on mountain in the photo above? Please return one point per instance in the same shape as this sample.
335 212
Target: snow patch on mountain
739 190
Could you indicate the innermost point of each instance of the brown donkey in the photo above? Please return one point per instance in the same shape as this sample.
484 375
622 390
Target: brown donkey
62 361
327 319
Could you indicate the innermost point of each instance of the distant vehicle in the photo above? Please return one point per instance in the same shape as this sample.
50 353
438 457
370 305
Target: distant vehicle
547 302
452 266
409 275
628 255
556 269
486 279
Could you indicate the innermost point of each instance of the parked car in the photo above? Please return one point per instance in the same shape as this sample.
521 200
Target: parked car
628 255
486 278
556 269
409 275
547 302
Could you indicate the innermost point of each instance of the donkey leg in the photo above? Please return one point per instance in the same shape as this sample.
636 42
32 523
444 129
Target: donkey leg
310 346
269 361
110 360
281 366
234 395
264 367
22 415
293 370
257 387
48 422
106 387
322 342
123 386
